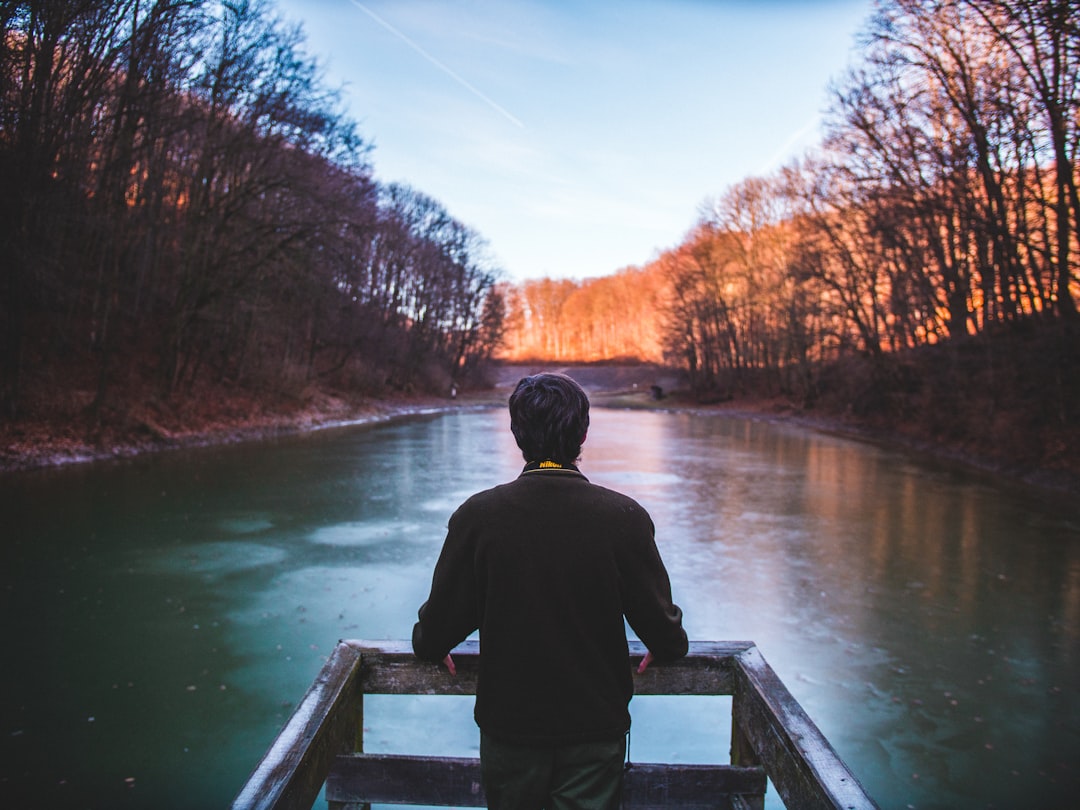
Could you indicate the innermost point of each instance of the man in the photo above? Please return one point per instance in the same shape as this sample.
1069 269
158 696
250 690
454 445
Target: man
547 566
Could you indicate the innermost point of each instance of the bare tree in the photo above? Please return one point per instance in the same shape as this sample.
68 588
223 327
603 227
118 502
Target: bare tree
183 195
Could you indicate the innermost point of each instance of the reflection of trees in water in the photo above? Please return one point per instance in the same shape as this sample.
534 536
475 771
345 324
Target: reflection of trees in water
926 618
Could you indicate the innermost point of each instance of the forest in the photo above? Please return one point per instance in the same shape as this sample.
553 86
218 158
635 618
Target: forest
189 217
187 209
918 270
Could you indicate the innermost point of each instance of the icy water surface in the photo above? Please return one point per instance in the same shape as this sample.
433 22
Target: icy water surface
162 617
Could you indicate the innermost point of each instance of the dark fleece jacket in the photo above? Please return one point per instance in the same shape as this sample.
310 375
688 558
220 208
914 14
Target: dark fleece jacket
546 567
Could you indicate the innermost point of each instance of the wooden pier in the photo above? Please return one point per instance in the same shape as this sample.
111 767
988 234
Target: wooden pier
771 736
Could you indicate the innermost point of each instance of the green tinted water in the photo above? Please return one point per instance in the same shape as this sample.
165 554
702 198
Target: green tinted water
161 617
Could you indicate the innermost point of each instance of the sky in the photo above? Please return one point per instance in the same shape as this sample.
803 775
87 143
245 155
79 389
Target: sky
580 138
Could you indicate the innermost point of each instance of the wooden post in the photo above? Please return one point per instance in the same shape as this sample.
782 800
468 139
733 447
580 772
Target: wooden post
292 772
358 741
802 765
743 753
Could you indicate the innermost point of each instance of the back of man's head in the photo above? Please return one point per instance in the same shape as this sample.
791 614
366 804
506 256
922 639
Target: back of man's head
549 417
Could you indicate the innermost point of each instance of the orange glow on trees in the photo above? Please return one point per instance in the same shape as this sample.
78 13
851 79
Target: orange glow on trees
616 317
944 203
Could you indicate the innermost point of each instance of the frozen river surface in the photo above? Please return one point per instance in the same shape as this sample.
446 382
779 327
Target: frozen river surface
162 616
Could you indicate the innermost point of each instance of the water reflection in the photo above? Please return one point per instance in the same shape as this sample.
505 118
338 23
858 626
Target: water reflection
924 618
166 614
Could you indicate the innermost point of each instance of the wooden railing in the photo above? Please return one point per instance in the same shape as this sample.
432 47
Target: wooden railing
771 735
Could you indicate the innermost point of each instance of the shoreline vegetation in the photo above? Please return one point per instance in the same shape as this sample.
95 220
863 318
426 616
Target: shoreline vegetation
225 417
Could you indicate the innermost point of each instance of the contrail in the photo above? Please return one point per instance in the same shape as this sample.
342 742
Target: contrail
475 91
788 144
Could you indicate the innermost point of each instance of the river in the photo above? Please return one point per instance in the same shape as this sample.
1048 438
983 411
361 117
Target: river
163 615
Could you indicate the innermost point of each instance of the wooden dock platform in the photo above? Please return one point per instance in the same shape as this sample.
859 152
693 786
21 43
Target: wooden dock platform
771 737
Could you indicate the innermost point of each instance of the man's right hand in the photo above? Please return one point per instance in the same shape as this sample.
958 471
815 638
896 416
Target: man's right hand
450 664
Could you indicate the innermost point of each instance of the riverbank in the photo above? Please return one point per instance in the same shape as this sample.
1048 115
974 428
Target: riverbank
1062 478
1051 464
231 416
221 418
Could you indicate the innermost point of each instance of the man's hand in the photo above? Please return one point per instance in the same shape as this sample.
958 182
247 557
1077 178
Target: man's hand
644 665
450 664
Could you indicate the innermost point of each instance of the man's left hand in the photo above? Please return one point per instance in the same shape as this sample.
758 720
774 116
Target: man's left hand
644 665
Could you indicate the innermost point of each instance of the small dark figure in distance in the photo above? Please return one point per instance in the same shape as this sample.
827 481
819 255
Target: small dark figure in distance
546 567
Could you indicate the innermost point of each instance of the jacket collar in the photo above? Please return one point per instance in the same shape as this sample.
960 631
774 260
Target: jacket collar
549 467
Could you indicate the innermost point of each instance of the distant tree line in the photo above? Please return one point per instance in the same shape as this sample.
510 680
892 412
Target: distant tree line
942 207
183 201
607 318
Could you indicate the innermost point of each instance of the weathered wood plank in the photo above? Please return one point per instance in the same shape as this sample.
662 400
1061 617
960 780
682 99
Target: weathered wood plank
292 771
400 779
689 786
707 669
390 668
455 782
744 755
804 767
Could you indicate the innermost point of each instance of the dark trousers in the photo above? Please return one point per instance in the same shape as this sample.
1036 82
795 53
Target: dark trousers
586 776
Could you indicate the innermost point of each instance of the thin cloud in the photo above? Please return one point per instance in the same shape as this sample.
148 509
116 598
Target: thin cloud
789 144
448 71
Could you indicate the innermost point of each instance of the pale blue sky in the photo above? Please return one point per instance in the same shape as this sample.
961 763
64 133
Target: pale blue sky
580 138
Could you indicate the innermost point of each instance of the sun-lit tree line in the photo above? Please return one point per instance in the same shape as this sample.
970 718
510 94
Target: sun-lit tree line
942 204
184 201
608 318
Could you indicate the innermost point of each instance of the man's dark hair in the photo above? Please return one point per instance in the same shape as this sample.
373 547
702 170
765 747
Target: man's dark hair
549 417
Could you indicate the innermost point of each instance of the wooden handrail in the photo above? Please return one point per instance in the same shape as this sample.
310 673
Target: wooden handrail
323 725
770 730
